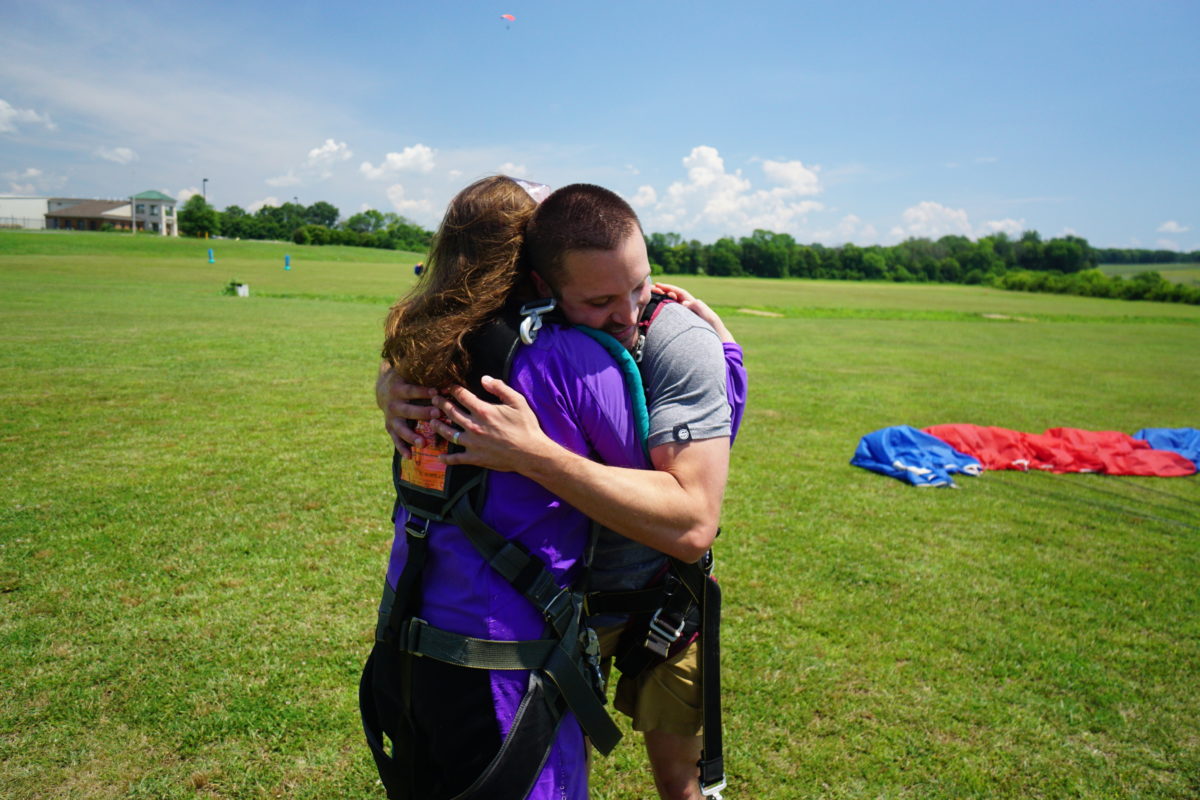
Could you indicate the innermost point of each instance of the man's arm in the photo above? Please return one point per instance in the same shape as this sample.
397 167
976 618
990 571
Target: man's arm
674 508
697 307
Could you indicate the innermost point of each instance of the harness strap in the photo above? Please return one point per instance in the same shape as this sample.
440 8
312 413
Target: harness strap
636 601
712 762
422 639
633 382
562 609
524 571
396 602
511 772
523 752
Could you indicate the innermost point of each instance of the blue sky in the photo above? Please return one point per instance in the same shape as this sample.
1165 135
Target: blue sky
863 122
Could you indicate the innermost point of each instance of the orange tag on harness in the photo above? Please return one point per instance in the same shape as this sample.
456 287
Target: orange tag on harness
424 469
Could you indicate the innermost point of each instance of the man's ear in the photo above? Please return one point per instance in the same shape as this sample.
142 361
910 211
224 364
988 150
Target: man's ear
540 284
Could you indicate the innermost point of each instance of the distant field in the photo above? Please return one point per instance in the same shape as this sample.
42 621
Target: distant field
1179 273
194 531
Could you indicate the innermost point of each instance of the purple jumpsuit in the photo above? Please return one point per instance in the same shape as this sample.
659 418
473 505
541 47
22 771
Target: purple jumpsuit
579 396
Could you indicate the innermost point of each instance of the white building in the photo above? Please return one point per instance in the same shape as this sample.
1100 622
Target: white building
152 212
23 212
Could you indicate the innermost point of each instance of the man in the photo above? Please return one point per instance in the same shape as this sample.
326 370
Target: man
588 252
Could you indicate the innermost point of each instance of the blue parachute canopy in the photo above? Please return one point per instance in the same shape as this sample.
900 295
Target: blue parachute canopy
904 452
1185 441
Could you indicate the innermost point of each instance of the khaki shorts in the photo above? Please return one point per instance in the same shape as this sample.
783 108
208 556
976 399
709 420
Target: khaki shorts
665 697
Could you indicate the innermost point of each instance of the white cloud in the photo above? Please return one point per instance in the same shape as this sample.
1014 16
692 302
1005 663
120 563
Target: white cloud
849 228
632 170
183 195
454 174
514 170
266 201
328 154
117 155
793 175
290 179
318 164
417 158
1013 227
1167 244
986 160
396 194
10 117
714 200
32 180
1171 226
645 197
933 221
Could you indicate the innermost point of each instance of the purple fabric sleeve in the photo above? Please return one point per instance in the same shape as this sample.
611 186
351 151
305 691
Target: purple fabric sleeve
735 386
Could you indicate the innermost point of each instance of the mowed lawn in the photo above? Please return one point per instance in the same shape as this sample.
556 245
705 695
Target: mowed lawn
194 529
1188 273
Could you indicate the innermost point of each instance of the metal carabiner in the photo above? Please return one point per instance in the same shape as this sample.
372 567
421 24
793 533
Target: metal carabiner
532 312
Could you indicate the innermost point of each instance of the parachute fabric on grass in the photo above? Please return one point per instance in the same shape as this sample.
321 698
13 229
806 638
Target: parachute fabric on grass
1185 441
908 454
1063 450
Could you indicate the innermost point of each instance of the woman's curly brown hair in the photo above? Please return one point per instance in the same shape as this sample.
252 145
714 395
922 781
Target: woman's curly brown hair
472 269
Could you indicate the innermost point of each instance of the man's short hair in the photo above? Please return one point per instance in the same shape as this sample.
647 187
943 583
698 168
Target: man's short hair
576 217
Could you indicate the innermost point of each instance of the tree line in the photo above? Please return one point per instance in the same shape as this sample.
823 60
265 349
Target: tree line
319 223
1064 265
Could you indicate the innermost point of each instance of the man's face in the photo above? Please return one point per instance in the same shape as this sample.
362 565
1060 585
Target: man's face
607 289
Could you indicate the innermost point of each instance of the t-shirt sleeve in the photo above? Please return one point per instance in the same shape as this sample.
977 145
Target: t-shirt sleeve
684 369
736 385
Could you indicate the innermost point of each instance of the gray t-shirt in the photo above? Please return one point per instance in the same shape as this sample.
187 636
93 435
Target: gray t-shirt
683 368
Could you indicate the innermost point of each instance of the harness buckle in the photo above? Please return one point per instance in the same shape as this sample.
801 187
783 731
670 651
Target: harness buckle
417 528
663 634
532 312
589 642
713 791
410 637
553 610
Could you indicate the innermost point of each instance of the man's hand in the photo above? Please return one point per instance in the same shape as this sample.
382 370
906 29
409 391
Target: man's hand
393 395
696 306
499 437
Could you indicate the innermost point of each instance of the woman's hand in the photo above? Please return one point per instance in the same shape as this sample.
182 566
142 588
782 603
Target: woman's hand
395 397
696 306
501 437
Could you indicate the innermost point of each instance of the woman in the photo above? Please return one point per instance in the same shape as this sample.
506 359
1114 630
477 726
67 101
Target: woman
447 722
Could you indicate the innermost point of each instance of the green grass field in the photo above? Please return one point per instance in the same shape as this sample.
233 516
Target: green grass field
1178 273
194 530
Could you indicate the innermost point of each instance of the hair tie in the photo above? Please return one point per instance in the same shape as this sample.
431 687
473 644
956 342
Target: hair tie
538 191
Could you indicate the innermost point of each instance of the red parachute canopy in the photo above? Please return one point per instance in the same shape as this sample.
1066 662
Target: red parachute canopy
508 17
1063 450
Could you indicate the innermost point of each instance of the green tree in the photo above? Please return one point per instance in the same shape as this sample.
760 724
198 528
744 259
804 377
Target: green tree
725 258
198 218
369 221
321 213
237 224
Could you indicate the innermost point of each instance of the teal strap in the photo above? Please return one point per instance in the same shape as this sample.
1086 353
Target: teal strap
633 382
